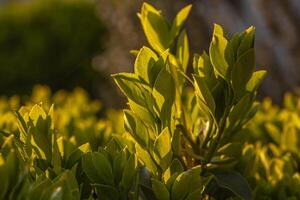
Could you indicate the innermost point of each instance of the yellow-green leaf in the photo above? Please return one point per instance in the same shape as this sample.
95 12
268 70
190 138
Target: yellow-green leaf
179 20
160 190
243 70
182 52
162 144
144 62
217 55
156 28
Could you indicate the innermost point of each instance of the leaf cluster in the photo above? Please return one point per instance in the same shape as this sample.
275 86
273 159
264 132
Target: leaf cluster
185 135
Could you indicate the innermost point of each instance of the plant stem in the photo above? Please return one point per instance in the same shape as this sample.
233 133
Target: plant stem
188 137
215 144
210 132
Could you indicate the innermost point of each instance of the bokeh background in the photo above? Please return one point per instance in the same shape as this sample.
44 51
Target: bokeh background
70 43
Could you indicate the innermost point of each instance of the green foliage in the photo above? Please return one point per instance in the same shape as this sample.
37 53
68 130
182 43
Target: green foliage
187 145
41 150
112 171
185 136
50 42
271 159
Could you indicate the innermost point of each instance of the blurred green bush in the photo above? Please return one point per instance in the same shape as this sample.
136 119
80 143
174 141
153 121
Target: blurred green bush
76 116
50 42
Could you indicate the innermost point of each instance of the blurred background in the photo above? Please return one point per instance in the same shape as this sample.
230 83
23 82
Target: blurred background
70 43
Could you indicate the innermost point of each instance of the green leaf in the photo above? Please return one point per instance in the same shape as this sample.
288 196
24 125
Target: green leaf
240 110
204 109
247 41
129 172
156 28
195 195
203 92
37 113
205 70
135 126
77 154
186 183
162 144
38 187
144 63
218 30
234 182
256 80
195 63
179 20
176 142
230 57
204 67
243 70
119 161
273 131
235 43
146 159
171 181
290 139
141 112
89 169
64 186
103 167
233 150
56 158
164 94
50 117
182 52
217 50
22 126
134 52
107 192
163 149
160 190
40 130
180 187
131 86
175 168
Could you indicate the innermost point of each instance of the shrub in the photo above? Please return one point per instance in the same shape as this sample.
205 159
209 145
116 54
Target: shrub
183 139
271 159
187 146
50 42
